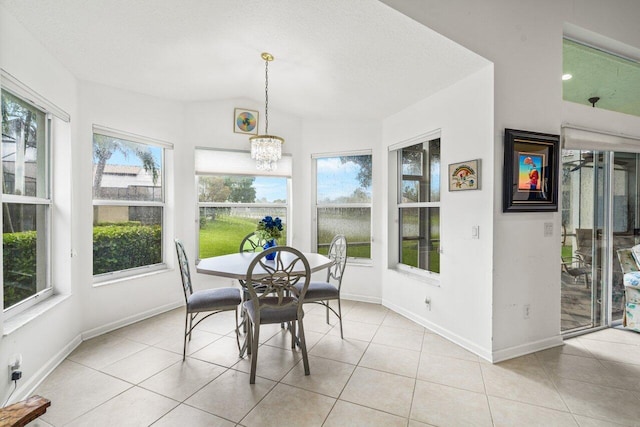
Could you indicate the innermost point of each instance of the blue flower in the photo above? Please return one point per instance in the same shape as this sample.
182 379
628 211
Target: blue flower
269 228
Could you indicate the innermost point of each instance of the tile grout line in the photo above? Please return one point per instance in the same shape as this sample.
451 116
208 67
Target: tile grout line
424 350
486 394
276 382
357 365
555 386
415 381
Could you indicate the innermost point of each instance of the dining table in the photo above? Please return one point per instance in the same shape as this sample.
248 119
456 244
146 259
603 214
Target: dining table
235 265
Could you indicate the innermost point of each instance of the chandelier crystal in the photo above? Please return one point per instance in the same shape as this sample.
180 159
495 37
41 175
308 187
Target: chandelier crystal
266 149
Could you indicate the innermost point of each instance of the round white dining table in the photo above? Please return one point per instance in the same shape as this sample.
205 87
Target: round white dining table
235 265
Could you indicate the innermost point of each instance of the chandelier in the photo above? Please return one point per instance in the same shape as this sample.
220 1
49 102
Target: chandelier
266 149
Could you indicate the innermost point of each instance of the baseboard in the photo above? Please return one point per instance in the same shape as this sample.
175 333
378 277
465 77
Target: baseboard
29 386
491 356
443 332
36 379
360 298
92 333
528 348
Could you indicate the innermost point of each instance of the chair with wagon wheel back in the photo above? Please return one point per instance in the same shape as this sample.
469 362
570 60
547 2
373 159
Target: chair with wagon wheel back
251 243
212 301
323 292
275 298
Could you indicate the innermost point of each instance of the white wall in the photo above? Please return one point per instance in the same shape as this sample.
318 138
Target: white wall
44 340
461 297
361 282
210 125
107 306
524 41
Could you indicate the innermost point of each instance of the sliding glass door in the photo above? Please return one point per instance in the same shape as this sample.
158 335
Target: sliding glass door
582 176
625 223
599 218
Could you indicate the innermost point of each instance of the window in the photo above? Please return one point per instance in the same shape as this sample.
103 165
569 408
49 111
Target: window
26 202
128 203
343 202
593 76
232 198
419 205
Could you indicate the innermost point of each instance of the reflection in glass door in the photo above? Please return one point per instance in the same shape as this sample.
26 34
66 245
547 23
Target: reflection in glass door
599 218
581 173
625 223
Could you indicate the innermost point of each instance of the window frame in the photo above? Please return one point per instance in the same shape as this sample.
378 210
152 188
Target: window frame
359 205
25 95
396 232
106 278
227 162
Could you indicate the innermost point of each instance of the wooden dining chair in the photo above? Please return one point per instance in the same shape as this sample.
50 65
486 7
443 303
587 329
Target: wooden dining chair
275 298
211 301
324 292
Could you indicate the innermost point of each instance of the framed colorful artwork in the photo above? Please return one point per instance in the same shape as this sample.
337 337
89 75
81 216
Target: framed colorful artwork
464 175
245 121
530 171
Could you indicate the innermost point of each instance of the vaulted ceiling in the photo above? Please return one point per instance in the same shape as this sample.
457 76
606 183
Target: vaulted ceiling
356 59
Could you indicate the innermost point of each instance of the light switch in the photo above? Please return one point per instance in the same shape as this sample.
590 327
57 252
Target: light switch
475 232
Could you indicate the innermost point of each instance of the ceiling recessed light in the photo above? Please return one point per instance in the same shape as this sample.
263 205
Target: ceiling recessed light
566 76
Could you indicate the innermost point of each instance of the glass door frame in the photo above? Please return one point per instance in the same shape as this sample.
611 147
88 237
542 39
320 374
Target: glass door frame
602 245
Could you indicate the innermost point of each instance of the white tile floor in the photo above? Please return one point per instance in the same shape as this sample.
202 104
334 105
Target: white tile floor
388 371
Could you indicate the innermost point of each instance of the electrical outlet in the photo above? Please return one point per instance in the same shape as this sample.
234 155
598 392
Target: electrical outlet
15 362
427 301
526 311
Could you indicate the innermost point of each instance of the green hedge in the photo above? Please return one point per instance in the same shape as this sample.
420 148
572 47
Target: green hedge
19 266
115 247
121 246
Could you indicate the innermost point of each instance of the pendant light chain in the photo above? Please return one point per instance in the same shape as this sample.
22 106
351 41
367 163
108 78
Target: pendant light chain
266 96
266 149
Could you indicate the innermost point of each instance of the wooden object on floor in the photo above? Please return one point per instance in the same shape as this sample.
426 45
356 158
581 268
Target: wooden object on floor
21 413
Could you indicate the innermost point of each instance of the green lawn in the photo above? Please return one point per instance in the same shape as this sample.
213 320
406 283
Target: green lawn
223 235
410 256
355 251
354 223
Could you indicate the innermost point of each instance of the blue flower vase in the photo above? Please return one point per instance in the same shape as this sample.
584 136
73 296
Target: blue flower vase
270 243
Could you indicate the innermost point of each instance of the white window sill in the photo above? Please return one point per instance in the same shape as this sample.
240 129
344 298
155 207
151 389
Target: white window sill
14 323
418 274
360 262
121 279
